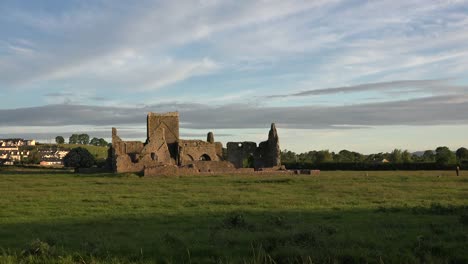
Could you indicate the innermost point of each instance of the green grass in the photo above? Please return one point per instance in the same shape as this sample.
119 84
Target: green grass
96 151
50 216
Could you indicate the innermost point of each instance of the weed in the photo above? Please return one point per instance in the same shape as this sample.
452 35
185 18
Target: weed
38 248
278 221
304 239
235 220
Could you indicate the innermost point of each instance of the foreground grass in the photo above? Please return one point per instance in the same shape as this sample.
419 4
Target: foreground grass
352 217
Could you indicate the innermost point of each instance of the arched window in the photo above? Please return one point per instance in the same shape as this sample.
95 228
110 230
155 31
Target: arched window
205 157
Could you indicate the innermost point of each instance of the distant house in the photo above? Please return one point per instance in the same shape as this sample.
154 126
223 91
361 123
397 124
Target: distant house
12 153
6 162
8 148
384 161
31 142
4 155
18 155
16 142
61 153
50 154
51 162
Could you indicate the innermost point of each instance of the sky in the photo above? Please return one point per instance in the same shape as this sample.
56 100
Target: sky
368 76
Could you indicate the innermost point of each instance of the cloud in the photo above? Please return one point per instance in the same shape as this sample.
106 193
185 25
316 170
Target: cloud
436 110
238 48
75 97
70 44
428 86
49 136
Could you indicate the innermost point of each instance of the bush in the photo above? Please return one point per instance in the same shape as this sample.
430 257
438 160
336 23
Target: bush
38 248
362 166
234 221
79 158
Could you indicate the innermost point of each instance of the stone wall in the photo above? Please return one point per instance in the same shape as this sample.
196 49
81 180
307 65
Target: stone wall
266 155
268 152
168 121
165 153
195 150
134 156
196 168
237 152
213 166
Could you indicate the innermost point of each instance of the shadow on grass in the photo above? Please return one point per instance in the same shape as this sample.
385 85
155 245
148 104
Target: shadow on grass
14 170
393 235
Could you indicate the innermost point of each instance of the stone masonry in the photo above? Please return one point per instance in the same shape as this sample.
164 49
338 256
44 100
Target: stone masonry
164 153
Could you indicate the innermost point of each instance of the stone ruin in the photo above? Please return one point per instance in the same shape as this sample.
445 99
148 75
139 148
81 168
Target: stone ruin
164 153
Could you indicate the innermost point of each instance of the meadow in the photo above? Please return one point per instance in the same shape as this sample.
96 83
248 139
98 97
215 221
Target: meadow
97 151
56 216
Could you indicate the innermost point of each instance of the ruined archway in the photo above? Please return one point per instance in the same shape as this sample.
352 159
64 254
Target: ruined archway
248 162
189 157
205 157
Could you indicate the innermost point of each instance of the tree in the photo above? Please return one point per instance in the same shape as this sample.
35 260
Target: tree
444 156
59 140
98 142
344 156
102 142
324 156
288 156
395 156
428 156
406 157
79 158
83 139
73 139
462 154
94 141
33 158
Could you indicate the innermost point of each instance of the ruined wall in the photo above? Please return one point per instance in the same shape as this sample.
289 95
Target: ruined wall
134 156
195 168
268 153
213 166
168 121
237 152
195 150
157 150
164 153
125 154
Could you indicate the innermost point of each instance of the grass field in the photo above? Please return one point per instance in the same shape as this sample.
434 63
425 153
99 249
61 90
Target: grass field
337 217
96 151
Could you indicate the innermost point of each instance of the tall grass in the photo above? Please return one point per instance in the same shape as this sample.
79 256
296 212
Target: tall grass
337 217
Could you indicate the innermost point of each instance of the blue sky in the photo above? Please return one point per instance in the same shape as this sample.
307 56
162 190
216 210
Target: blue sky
368 76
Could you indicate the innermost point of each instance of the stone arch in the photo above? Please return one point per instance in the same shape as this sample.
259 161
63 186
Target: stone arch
248 161
189 157
205 157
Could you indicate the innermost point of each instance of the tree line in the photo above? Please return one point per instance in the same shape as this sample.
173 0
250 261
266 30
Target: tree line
441 156
82 139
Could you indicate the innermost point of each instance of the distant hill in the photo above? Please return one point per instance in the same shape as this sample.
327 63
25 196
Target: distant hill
420 153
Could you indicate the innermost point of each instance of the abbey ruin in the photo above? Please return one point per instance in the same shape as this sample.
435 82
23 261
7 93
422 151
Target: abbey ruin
165 153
